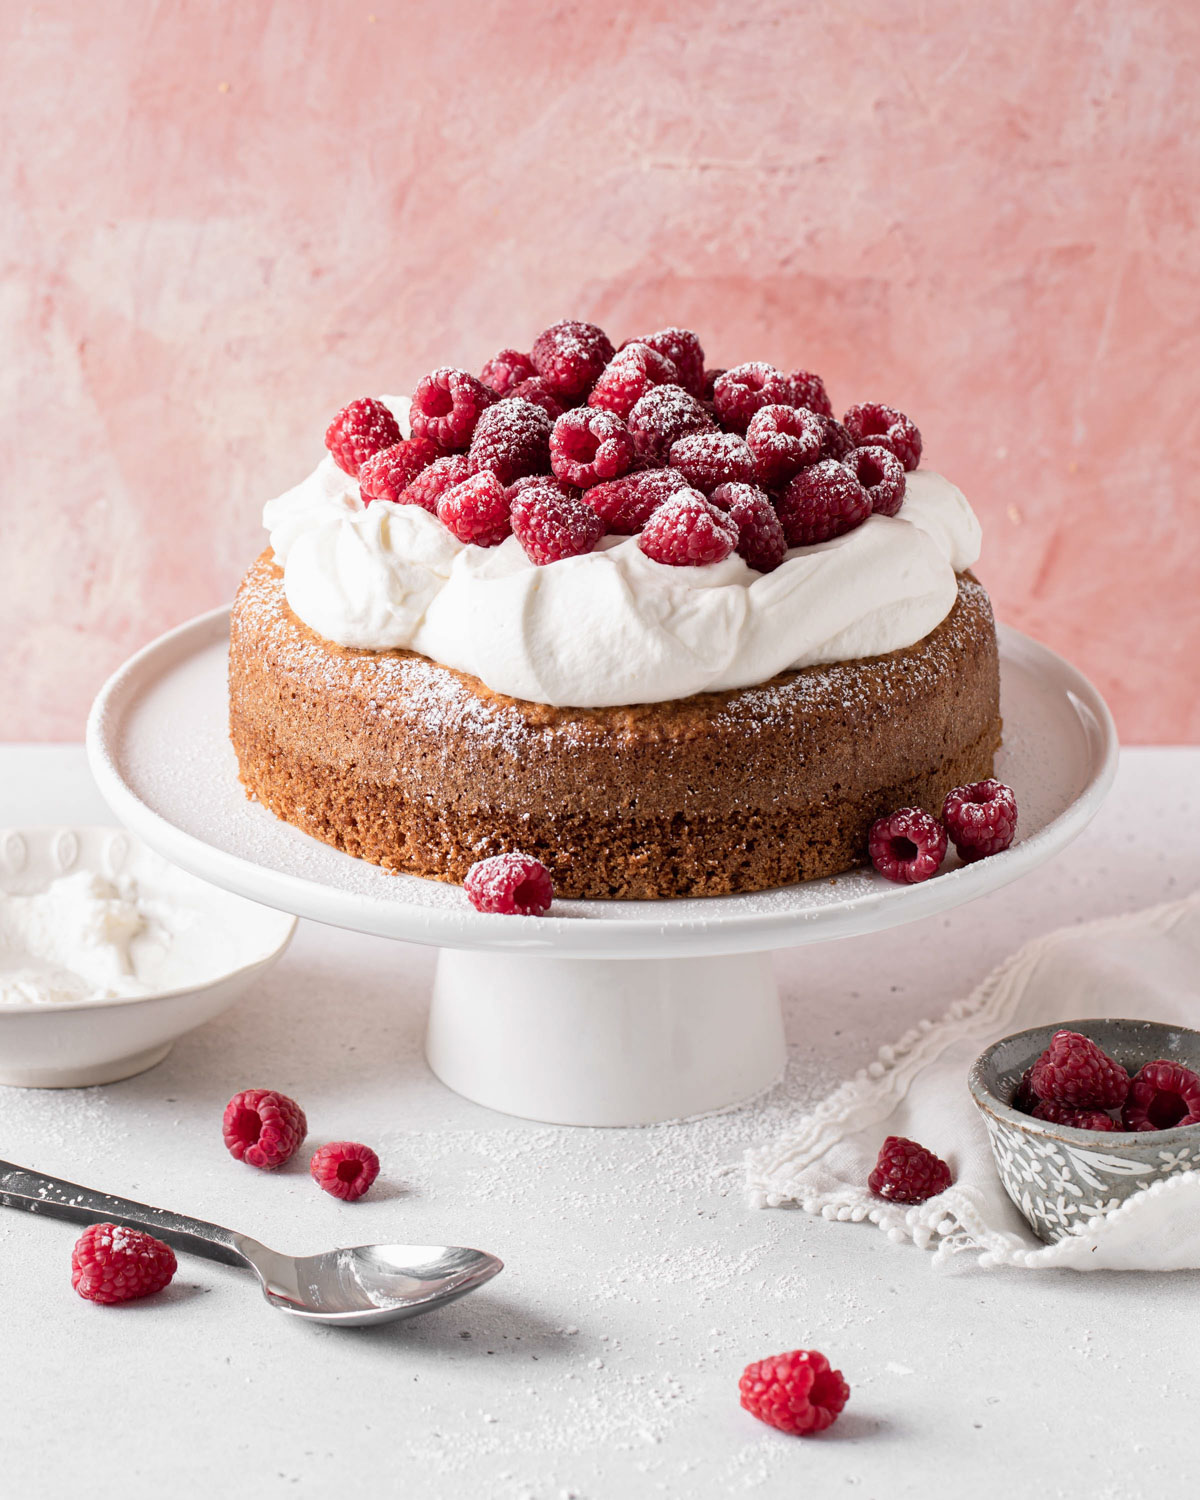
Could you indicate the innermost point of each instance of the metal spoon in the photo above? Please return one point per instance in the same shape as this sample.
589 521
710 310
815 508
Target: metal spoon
358 1285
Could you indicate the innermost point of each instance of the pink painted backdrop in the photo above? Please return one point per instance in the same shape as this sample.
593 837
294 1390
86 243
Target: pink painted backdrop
222 222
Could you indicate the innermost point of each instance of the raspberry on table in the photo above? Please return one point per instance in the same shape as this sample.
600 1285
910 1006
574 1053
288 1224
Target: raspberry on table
1079 1119
1024 1099
344 1168
511 884
1074 1071
388 473
878 426
626 504
1161 1096
507 369
263 1128
536 390
823 501
687 532
807 389
663 416
745 389
906 1172
761 541
477 510
784 440
682 348
111 1264
359 431
632 371
570 355
432 483
589 446
551 525
981 818
796 1392
836 442
446 405
511 439
881 474
907 846
707 459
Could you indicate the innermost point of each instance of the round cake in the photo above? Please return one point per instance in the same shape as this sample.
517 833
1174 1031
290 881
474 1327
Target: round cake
707 672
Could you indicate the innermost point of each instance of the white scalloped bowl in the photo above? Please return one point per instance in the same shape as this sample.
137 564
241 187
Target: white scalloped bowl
219 953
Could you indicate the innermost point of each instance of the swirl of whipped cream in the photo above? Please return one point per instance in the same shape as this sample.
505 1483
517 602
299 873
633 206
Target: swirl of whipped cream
613 626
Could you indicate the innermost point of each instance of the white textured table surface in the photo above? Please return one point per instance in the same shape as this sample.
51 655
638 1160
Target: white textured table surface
603 1363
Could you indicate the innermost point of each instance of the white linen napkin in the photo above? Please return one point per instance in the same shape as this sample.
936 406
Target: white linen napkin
1145 965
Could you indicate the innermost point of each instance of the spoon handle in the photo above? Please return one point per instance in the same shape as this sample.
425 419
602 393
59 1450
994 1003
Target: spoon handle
21 1188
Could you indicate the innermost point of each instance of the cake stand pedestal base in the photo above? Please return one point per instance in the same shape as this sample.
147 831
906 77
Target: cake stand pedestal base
605 1041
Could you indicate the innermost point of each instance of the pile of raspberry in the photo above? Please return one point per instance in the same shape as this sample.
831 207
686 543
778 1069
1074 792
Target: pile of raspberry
1076 1083
909 845
575 441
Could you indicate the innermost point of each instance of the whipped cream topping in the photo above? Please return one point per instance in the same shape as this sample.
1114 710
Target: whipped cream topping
613 626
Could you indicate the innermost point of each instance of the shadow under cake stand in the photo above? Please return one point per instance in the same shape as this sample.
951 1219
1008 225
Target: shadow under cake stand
605 1012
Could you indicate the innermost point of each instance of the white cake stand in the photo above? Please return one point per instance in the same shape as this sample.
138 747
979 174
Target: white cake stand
605 1012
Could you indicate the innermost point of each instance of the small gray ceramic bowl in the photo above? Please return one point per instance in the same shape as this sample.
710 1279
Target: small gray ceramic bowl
1062 1178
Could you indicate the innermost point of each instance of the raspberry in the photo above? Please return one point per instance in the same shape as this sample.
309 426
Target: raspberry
589 446
551 525
1162 1095
263 1128
881 474
536 390
388 473
344 1168
477 510
632 371
512 884
908 1173
511 439
432 483
745 389
760 536
626 504
796 1392
877 426
569 356
808 390
836 442
1073 1070
541 482
359 431
710 382
784 440
682 348
113 1264
907 846
1080 1119
981 818
1023 1097
506 370
823 501
707 459
661 418
687 532
446 405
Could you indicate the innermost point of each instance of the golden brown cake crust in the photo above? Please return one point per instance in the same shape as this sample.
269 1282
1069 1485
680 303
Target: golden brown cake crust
422 769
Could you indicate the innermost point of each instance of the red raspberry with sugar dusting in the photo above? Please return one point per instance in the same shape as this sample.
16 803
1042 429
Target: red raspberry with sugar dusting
906 1172
875 425
632 371
359 431
784 440
551 525
808 390
836 442
823 501
683 349
388 473
514 885
506 370
1073 1070
477 510
1161 1096
569 356
707 459
626 504
1078 1119
541 482
588 447
535 389
881 474
112 1264
346 1169
745 389
761 541
981 818
907 846
511 439
687 532
432 483
446 405
661 418
796 1392
263 1128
